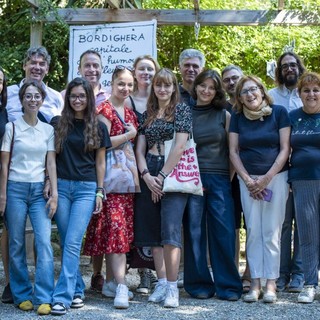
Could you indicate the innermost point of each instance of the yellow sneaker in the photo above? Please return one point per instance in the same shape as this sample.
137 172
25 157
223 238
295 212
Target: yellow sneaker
26 305
44 309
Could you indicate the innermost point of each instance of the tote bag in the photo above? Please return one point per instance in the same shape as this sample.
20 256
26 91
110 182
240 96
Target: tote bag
185 177
121 170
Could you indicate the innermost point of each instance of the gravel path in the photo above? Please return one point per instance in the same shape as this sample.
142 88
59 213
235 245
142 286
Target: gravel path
96 307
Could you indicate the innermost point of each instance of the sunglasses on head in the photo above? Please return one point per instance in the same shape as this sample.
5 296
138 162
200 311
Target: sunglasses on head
120 68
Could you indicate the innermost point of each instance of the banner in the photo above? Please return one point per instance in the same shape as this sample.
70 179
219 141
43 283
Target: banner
117 43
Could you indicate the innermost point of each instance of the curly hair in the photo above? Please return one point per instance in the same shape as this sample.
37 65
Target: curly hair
219 100
238 104
66 122
167 77
278 73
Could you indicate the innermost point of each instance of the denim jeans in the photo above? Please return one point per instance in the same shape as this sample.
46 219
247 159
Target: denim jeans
75 207
24 198
211 219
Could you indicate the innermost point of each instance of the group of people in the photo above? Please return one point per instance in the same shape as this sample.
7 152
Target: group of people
53 167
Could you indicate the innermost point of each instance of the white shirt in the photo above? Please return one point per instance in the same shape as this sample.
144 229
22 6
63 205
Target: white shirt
284 97
51 107
30 148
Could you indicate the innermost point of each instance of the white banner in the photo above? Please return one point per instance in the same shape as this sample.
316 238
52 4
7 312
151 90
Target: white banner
117 43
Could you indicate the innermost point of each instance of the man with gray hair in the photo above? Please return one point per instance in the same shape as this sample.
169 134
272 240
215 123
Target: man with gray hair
191 63
36 67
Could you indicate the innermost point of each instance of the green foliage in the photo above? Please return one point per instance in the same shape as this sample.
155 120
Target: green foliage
248 47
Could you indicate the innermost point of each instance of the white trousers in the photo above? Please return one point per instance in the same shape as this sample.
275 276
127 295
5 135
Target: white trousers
264 223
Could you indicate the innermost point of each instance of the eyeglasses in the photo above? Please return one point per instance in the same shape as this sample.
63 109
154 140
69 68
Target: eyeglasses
251 90
120 68
35 97
286 66
233 78
74 97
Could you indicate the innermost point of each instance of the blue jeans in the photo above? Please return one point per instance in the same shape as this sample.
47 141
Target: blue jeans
290 265
75 207
211 218
24 198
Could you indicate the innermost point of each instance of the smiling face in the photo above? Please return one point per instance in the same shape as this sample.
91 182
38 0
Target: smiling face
78 101
205 92
122 85
189 69
251 95
36 68
90 68
310 96
144 72
229 81
163 91
32 100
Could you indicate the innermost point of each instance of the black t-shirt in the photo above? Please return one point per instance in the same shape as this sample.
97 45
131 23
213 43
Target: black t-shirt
73 163
3 121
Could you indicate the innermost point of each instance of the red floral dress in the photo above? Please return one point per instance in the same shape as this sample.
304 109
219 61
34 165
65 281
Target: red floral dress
111 231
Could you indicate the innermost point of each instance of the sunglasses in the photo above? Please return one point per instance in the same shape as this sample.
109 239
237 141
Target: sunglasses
119 68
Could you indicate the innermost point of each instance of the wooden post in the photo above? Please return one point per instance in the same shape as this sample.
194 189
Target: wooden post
36 27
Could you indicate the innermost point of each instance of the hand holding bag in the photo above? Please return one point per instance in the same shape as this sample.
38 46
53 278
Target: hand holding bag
185 177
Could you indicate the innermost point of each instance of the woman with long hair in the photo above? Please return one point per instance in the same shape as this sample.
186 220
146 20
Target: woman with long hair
80 145
259 148
159 215
111 232
27 151
210 218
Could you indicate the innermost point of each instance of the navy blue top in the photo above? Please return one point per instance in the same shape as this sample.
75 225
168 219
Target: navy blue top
259 141
305 144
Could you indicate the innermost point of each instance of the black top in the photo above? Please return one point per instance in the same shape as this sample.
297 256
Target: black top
138 114
3 121
73 163
209 133
186 97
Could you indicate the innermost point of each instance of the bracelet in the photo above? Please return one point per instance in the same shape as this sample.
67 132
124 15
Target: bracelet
126 137
145 171
46 178
100 189
162 174
100 195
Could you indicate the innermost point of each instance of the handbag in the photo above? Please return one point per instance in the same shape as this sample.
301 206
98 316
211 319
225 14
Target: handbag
121 169
185 176
140 257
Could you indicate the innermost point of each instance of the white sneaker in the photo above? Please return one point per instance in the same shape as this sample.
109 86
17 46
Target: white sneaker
109 290
158 294
121 301
172 298
307 294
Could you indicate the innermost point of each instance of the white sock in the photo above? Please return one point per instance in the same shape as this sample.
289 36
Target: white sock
172 284
162 281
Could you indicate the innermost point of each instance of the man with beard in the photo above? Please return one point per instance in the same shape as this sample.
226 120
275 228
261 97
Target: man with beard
191 63
289 68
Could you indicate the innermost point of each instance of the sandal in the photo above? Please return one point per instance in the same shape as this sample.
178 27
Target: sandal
246 283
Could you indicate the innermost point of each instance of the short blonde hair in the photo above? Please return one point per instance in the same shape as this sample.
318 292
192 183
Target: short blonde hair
238 106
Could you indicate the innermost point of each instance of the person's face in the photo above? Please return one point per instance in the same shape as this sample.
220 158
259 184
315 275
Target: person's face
122 86
121 158
90 68
289 70
78 100
144 72
32 100
36 68
310 96
230 80
1 81
251 95
163 91
205 92
189 69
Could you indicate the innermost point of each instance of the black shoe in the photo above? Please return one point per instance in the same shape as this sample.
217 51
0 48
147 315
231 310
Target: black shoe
7 295
77 302
58 309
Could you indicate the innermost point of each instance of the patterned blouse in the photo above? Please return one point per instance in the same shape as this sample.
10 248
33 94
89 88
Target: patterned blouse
161 130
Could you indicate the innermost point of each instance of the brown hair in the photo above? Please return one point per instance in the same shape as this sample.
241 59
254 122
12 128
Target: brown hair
308 77
238 106
166 76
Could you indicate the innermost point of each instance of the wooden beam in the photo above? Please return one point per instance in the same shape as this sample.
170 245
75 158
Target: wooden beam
115 4
187 17
280 4
33 3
